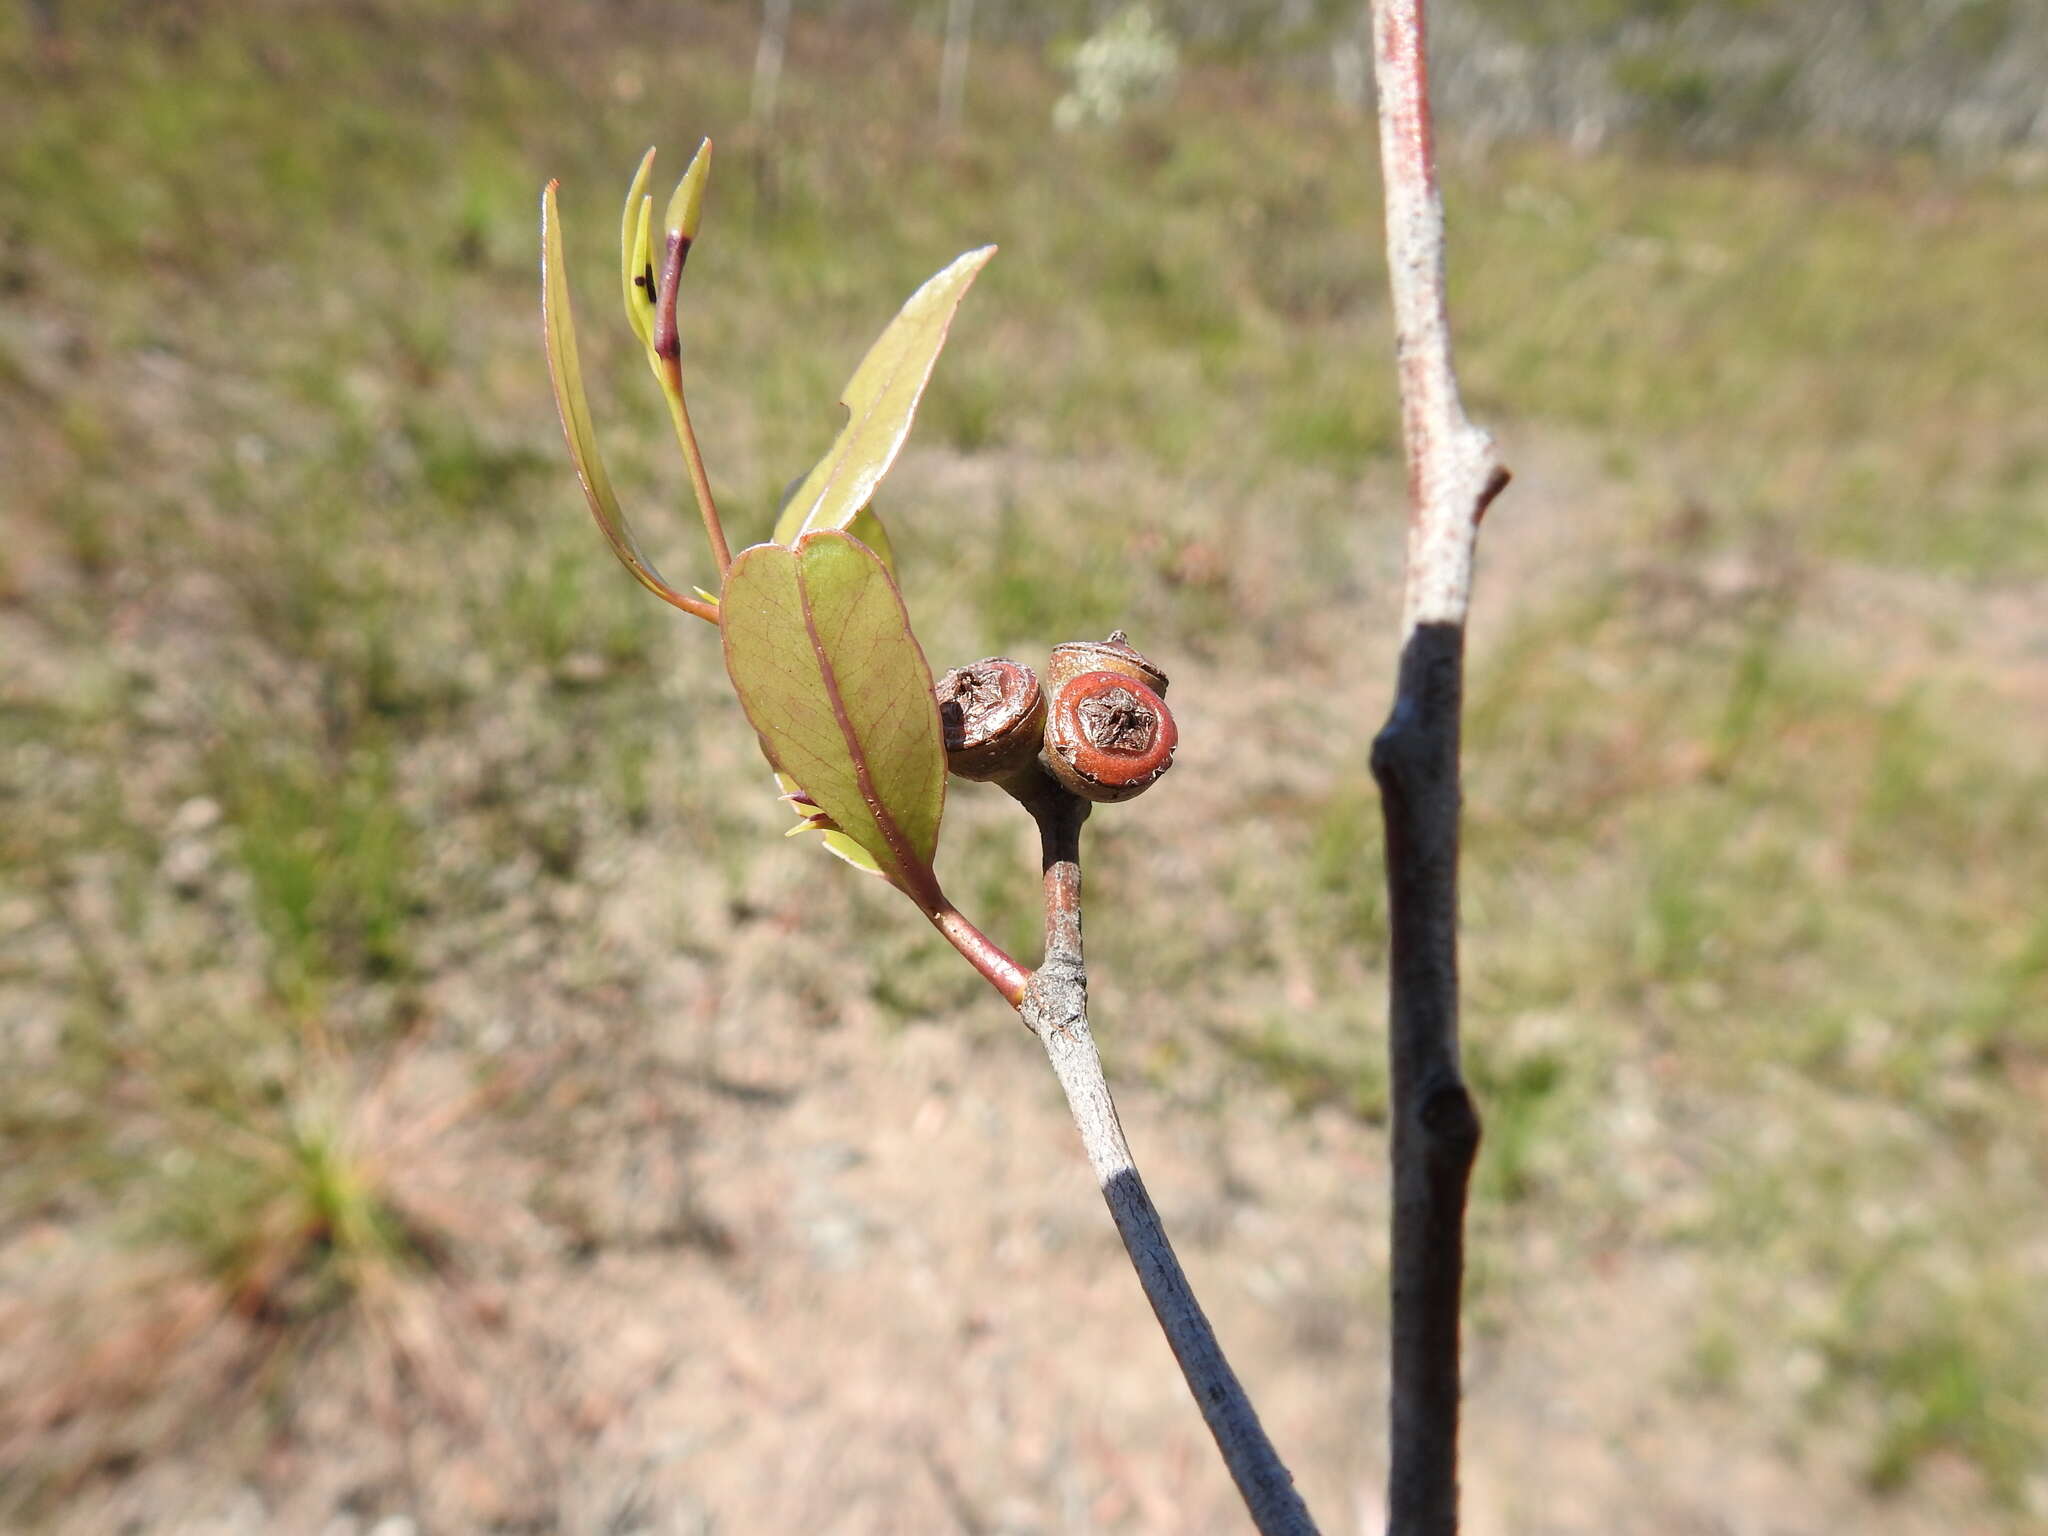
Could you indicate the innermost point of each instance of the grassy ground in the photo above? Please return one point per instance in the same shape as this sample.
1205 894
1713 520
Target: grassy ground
369 847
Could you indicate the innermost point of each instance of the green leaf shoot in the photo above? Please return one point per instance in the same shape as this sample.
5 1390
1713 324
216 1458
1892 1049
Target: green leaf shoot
865 525
558 327
686 203
636 260
881 401
833 840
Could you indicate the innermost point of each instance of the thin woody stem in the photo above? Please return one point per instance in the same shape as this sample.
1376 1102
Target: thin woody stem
1453 474
1060 816
668 347
1453 470
700 483
1056 1009
980 951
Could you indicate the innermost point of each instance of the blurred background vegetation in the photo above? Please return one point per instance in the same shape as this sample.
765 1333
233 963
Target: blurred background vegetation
365 834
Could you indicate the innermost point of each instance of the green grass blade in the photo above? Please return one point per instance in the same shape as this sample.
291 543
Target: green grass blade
881 401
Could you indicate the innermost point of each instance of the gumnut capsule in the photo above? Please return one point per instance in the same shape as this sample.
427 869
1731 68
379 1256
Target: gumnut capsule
1116 654
993 716
1108 735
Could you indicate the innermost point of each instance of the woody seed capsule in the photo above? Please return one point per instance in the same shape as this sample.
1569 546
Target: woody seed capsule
1116 654
1108 736
993 716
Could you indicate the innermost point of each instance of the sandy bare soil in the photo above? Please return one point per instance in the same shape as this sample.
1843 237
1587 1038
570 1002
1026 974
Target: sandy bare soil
735 1251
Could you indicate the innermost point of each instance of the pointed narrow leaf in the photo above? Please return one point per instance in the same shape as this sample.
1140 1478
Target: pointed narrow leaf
686 203
833 842
881 400
632 240
643 266
840 846
558 328
821 654
865 525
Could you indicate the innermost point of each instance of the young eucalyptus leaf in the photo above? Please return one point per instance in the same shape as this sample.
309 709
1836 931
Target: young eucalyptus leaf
686 203
819 649
834 841
865 525
881 400
565 371
635 280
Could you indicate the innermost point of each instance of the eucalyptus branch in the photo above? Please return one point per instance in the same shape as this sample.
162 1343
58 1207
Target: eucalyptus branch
1453 474
980 951
818 646
1055 1007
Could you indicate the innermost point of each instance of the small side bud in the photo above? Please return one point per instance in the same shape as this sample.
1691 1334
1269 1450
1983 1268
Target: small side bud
993 716
685 209
1108 735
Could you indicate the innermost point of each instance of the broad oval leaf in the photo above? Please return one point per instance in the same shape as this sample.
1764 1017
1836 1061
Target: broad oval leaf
819 649
881 400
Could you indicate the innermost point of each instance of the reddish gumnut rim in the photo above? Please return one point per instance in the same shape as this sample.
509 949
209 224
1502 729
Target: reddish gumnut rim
1116 654
1109 736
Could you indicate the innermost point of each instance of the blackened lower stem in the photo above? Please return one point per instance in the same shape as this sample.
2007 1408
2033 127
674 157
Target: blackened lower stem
1436 1128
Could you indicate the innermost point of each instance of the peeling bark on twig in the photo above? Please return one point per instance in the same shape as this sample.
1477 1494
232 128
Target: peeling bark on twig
1453 474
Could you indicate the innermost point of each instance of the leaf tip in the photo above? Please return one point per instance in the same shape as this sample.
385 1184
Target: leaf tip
686 203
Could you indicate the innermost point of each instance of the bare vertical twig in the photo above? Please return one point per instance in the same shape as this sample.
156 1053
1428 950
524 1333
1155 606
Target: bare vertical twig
768 51
1453 473
1056 1008
1348 67
953 62
765 95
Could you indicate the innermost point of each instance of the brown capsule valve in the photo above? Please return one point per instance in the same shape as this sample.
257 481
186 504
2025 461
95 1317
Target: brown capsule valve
1116 654
1108 736
993 716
